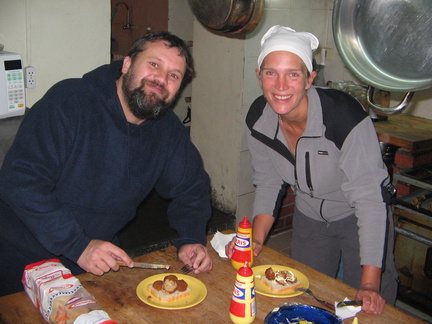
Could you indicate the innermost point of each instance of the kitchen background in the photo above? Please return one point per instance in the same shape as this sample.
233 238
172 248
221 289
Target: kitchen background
67 38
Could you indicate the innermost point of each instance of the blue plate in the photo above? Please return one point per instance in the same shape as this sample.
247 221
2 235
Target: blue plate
293 312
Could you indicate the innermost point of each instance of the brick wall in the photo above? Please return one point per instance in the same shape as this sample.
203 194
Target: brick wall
405 160
284 221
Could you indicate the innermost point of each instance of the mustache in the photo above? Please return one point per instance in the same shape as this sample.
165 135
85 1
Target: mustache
157 84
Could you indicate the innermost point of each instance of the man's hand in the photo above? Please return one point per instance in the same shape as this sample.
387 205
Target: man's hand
101 256
197 256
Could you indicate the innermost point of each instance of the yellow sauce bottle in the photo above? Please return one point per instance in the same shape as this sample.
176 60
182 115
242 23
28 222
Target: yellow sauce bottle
243 307
243 250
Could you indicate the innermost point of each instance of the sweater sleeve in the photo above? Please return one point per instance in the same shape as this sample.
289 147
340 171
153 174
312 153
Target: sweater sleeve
187 184
28 179
365 173
266 179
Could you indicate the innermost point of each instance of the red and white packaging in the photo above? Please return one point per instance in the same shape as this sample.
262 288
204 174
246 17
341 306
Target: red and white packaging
59 295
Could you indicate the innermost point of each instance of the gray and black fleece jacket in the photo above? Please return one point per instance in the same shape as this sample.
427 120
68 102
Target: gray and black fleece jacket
337 170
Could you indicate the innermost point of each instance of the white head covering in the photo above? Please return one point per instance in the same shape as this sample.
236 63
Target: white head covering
279 38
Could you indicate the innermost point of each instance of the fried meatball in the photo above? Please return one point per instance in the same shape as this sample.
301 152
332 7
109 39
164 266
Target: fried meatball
270 275
171 277
158 285
181 285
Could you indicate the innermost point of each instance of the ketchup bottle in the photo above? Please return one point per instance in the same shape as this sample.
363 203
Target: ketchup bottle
243 307
243 245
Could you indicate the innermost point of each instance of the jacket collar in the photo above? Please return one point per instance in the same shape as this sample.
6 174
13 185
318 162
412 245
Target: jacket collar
268 123
315 117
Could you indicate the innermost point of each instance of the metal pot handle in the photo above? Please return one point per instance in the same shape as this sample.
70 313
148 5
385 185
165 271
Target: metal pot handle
390 111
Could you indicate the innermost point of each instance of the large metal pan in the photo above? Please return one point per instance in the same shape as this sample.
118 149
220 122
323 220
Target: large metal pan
228 16
386 44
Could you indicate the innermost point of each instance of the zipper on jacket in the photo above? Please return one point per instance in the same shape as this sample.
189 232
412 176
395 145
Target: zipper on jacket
321 214
308 175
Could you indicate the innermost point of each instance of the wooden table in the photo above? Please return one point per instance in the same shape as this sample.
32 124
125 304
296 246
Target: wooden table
116 293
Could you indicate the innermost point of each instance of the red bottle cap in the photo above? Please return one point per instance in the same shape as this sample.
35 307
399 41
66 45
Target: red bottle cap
245 223
245 271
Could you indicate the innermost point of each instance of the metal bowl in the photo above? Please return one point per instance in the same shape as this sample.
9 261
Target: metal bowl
228 16
386 44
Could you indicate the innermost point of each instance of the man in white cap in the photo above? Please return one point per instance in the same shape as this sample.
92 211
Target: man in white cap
324 145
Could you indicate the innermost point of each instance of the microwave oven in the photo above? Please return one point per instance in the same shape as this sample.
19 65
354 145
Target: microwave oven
12 90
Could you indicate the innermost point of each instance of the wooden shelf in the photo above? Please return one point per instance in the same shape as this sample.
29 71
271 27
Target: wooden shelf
408 132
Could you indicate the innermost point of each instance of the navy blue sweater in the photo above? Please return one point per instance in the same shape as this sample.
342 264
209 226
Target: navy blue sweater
77 171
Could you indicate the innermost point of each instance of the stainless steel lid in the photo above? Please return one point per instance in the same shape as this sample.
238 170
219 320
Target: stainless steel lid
386 44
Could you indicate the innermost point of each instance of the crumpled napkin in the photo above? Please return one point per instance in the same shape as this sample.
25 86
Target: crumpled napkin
348 311
219 241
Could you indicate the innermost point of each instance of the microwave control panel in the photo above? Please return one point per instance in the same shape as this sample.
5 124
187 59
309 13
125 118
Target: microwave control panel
12 86
15 88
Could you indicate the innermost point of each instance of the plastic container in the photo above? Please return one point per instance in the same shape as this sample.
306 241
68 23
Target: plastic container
243 251
243 307
60 297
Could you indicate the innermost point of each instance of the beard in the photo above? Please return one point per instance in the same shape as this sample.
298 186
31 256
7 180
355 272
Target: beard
145 106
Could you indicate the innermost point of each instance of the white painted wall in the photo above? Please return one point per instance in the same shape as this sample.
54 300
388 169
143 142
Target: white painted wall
217 93
60 38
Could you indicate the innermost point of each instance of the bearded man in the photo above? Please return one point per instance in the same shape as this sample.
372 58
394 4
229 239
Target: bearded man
89 152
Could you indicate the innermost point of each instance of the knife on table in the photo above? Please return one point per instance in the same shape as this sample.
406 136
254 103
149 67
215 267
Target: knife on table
146 265
349 303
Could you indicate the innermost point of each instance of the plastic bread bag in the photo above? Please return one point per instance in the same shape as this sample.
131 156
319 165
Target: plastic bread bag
59 296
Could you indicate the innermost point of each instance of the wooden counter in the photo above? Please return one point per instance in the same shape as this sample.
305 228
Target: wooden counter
116 292
411 133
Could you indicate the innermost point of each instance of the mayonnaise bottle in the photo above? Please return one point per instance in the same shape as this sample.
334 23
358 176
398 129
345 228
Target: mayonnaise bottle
243 250
243 308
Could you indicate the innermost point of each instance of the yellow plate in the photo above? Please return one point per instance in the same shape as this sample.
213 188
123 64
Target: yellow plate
263 290
198 292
